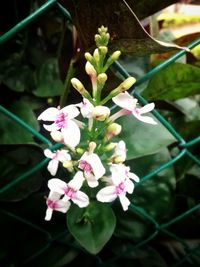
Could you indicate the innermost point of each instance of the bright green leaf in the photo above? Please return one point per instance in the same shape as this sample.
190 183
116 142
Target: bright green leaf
49 83
93 226
174 82
143 139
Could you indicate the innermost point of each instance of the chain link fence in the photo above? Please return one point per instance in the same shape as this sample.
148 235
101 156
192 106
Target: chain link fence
183 148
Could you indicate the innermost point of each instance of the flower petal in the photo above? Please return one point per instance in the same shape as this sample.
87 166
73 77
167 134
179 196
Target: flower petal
129 186
52 127
57 185
48 153
124 201
146 119
81 199
147 108
91 180
96 164
77 181
63 155
71 134
107 194
49 114
125 100
71 111
52 167
48 215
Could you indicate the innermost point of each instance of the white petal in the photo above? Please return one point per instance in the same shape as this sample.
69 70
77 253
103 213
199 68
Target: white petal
52 127
81 199
63 206
133 176
48 153
57 185
147 108
86 108
107 194
117 173
129 186
125 100
49 114
97 166
145 119
91 180
54 196
124 201
48 215
71 111
63 155
52 167
71 134
57 136
77 181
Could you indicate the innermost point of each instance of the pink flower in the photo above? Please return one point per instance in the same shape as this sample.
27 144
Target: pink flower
119 185
70 190
129 106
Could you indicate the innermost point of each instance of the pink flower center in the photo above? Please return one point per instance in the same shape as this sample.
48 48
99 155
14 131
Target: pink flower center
120 188
70 192
52 204
85 166
61 120
137 111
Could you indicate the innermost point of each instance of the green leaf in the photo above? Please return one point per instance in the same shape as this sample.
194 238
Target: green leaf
12 132
154 197
174 82
92 226
49 83
16 160
142 138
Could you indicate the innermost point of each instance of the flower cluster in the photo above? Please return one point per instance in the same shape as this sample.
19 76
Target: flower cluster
87 131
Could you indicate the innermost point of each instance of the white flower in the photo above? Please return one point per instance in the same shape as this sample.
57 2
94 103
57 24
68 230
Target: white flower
120 184
92 167
55 203
63 120
129 104
71 190
101 113
56 157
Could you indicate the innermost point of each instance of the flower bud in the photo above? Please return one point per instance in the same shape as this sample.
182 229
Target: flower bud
124 86
117 159
88 56
90 70
110 147
68 164
101 113
80 88
102 78
115 55
79 150
96 55
103 50
113 130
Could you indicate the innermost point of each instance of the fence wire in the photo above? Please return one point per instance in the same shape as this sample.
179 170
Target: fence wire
182 145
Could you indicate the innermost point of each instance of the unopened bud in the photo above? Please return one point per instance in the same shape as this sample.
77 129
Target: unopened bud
110 147
117 159
90 70
103 50
101 113
115 55
88 56
79 151
92 146
124 86
113 130
102 78
80 88
68 164
96 55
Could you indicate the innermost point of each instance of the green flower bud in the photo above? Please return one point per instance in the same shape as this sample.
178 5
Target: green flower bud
96 55
102 78
80 88
110 147
113 130
88 57
103 50
115 55
101 113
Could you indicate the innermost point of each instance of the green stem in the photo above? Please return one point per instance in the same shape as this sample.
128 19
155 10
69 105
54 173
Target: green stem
70 74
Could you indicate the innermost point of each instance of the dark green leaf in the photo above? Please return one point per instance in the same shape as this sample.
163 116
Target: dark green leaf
12 132
174 82
93 226
49 83
16 160
154 197
143 139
